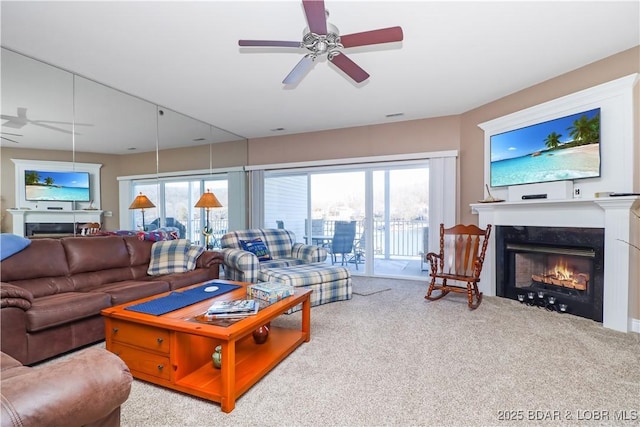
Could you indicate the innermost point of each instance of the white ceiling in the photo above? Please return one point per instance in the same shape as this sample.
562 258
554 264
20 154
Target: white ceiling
185 56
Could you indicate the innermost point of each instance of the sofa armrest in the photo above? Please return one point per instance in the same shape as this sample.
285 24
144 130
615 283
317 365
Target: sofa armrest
15 296
309 253
78 391
240 265
209 258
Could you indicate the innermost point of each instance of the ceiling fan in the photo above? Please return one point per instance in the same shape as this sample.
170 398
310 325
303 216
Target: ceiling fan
323 38
20 120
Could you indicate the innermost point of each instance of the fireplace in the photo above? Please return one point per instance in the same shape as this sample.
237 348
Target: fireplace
48 229
558 268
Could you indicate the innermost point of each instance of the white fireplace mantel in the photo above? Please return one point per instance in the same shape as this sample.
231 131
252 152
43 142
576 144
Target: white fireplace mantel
23 216
621 232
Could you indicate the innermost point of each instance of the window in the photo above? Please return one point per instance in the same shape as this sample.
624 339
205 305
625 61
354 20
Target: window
175 199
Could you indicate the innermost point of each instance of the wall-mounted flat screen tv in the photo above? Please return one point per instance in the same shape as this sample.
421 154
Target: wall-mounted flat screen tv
566 148
57 186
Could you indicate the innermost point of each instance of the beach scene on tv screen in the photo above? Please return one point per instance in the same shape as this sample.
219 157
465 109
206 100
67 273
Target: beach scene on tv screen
56 186
561 149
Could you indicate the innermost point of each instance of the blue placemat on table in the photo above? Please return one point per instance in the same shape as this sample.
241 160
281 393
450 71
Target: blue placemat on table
180 299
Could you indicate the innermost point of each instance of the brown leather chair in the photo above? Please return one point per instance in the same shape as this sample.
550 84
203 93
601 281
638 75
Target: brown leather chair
462 251
86 389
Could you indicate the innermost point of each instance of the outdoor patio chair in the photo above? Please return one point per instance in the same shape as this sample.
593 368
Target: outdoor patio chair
462 251
342 241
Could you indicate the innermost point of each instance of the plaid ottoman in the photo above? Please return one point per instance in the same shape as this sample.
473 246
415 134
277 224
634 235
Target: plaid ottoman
329 283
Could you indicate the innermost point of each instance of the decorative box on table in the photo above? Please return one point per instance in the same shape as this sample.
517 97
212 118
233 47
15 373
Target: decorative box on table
269 292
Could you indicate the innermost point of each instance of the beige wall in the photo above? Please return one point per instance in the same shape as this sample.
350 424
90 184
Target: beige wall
435 134
226 154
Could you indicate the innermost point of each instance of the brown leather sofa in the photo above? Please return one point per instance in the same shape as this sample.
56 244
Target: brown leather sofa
52 292
86 389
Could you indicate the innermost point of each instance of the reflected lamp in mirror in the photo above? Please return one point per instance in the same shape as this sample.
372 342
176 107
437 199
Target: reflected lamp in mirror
207 201
142 202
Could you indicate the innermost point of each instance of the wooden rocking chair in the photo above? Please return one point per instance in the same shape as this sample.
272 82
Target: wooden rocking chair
462 250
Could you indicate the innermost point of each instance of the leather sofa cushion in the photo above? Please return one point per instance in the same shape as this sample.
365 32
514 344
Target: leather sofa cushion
131 290
45 286
92 279
139 251
180 280
8 366
59 309
95 253
50 256
86 389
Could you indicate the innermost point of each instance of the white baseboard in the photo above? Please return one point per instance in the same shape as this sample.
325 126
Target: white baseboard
635 325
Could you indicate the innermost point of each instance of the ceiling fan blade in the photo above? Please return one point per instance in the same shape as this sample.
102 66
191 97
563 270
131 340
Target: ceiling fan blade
352 69
299 71
11 140
274 43
53 128
316 16
12 124
383 35
36 122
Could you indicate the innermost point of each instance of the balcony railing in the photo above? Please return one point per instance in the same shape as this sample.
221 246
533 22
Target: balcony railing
396 238
401 238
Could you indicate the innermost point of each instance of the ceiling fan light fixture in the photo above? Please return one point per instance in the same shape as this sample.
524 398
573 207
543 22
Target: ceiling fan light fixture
323 38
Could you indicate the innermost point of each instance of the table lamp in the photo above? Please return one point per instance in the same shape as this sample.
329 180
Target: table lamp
207 201
142 202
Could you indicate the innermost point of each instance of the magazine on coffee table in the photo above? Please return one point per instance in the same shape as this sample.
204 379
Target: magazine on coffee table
241 306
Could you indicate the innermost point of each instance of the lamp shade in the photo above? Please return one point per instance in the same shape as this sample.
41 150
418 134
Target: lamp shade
141 202
208 200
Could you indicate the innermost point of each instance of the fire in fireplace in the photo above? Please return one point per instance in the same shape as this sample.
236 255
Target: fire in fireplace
559 268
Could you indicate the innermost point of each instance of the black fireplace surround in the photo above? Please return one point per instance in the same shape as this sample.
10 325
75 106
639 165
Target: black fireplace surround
32 229
583 247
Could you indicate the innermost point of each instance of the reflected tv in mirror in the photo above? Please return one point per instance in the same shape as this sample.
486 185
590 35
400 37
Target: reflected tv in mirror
566 148
57 186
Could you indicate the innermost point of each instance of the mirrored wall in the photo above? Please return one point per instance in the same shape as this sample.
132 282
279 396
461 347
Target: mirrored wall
72 118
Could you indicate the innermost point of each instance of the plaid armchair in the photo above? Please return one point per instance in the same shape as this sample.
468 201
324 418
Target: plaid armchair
244 266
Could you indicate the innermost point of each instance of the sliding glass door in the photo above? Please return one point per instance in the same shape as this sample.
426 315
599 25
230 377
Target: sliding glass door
400 220
338 197
388 204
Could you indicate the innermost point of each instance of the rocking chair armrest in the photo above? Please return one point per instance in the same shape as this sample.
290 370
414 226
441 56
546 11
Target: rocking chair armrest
477 267
433 258
432 255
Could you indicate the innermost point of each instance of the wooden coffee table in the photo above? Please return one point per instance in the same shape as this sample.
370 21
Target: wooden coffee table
174 351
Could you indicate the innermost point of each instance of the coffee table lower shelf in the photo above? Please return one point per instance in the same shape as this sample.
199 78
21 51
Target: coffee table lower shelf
174 352
253 361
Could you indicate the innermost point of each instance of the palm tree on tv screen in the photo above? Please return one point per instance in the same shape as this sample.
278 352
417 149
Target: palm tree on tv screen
31 178
585 131
552 140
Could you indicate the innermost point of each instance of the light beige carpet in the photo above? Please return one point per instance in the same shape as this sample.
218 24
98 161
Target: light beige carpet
370 286
393 358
